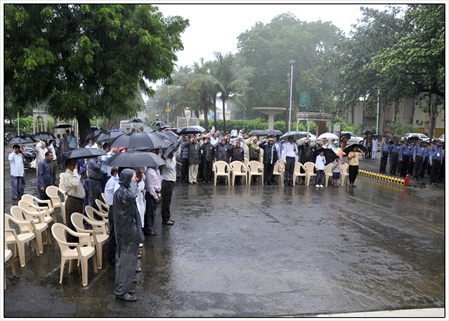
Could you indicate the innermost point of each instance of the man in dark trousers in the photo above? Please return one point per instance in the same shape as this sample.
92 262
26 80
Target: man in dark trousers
128 234
270 157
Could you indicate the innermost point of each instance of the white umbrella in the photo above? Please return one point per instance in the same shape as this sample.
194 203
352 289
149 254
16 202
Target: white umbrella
328 136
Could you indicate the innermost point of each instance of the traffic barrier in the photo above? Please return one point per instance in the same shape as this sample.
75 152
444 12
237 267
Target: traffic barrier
387 178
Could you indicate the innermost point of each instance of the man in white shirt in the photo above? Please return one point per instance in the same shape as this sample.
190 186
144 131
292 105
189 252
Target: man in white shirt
289 157
72 184
17 170
109 190
168 183
152 198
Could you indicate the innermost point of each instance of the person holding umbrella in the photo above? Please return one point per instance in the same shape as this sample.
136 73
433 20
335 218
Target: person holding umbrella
72 184
353 158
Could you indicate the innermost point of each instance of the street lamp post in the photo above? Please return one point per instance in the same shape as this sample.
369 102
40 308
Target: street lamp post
291 94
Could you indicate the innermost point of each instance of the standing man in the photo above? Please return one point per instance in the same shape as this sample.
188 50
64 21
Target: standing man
73 186
290 152
109 193
41 149
418 157
128 234
194 160
17 171
384 156
353 158
394 157
95 180
168 183
51 147
270 156
435 160
237 152
73 141
152 198
44 175
207 154
185 159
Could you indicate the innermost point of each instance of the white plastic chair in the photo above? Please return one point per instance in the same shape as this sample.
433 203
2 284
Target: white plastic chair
310 171
279 170
102 206
41 213
327 173
19 239
35 202
39 228
91 212
239 169
298 171
344 174
221 168
58 198
255 168
74 251
98 233
8 256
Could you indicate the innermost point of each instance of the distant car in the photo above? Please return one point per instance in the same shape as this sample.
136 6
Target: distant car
354 138
416 135
441 138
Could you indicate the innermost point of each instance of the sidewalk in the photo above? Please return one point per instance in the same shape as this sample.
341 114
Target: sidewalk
415 313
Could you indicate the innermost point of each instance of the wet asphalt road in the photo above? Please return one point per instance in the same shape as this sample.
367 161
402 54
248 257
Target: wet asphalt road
261 251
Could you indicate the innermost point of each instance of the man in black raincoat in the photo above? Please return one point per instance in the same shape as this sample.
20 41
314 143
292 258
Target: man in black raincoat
128 234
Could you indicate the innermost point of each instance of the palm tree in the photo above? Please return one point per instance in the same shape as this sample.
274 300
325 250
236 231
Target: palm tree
230 78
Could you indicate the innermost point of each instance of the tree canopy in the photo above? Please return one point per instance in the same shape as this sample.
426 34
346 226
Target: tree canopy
87 60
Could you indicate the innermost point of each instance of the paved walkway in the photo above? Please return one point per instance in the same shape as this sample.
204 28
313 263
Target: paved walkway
416 313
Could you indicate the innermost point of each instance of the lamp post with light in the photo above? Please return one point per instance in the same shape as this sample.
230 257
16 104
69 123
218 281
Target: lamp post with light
291 94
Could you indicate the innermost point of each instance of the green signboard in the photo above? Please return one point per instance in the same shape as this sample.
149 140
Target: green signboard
304 99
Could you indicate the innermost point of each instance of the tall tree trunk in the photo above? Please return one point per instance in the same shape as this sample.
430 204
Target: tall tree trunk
214 101
84 127
433 114
223 100
205 103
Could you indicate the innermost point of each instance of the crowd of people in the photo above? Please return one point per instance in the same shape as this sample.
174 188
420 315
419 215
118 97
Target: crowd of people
413 157
134 195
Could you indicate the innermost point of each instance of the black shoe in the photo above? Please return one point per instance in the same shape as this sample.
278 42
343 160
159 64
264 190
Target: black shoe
126 297
290 184
131 291
269 183
150 233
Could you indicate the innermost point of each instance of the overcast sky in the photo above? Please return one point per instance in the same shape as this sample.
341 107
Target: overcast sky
215 28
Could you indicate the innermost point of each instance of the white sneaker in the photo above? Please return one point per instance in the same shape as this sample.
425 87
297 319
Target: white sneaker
317 185
321 186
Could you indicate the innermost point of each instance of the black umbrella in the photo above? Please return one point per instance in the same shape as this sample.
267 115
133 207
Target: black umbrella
78 153
94 133
139 141
190 130
62 126
329 154
367 132
19 140
272 132
168 135
135 159
257 132
43 136
170 149
347 135
106 137
349 149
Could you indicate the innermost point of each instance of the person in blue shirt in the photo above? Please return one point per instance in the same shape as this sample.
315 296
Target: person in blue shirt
384 156
393 151
403 157
425 164
418 159
435 161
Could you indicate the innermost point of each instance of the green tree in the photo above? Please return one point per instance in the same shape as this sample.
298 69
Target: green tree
418 57
375 32
87 59
268 48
